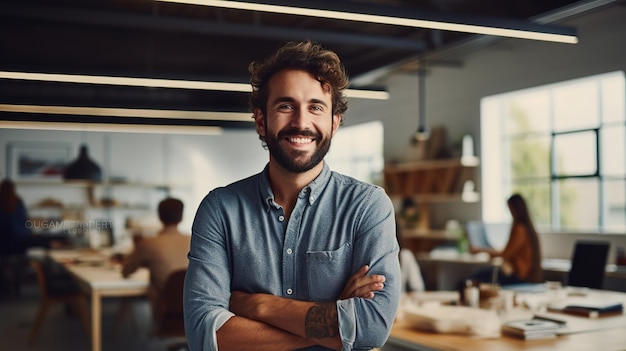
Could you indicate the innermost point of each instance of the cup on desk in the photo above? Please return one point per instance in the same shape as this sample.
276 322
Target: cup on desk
471 294
554 291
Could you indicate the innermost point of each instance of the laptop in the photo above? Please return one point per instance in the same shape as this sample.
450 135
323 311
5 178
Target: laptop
487 235
477 236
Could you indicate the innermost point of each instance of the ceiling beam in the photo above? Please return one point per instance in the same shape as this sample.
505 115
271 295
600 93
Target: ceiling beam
156 22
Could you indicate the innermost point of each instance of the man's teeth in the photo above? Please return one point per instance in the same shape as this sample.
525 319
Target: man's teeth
300 140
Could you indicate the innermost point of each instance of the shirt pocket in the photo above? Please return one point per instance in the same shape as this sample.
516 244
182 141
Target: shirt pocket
328 272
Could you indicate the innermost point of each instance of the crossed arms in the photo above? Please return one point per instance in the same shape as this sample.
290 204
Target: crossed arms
234 289
274 323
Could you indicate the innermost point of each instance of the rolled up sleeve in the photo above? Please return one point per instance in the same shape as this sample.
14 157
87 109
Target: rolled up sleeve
366 323
207 284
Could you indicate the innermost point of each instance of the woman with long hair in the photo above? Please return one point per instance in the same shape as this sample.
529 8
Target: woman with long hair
521 257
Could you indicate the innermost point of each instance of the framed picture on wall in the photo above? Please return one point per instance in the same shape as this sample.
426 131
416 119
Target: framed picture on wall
37 161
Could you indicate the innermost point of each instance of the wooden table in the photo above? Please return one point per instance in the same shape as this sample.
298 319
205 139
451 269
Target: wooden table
100 281
607 333
443 271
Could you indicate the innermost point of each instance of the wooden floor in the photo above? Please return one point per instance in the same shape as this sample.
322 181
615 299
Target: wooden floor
63 331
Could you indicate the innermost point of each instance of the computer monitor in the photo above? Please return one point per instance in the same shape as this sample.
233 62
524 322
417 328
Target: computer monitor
588 263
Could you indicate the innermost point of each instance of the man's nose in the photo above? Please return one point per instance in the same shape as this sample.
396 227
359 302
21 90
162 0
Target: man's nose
300 117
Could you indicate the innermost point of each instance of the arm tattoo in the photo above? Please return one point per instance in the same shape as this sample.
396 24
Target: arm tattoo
321 321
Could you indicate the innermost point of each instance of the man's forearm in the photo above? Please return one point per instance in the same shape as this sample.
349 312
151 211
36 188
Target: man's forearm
313 321
240 333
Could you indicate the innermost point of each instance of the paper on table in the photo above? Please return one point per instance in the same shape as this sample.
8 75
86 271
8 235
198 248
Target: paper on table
454 319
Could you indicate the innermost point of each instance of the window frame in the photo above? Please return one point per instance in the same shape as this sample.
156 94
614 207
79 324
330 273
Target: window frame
497 114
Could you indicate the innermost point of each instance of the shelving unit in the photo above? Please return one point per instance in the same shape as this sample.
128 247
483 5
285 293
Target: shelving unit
85 205
432 181
90 199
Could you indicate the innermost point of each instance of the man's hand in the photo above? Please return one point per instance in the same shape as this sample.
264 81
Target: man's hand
362 285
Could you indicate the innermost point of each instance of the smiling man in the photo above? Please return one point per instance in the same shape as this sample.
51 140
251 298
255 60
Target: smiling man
297 256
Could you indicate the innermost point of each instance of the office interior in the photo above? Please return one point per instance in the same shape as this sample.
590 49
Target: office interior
189 166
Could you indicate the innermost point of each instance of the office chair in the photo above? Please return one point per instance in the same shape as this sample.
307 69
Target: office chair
167 315
54 292
588 264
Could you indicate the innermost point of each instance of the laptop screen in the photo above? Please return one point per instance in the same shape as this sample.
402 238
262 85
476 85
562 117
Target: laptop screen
488 235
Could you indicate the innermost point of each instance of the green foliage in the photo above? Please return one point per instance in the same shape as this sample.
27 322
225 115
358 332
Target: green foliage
530 172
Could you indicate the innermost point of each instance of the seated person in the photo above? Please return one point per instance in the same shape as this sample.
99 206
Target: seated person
521 257
411 275
162 254
15 233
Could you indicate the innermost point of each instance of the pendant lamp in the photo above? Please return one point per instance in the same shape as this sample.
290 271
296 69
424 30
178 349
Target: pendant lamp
422 133
83 168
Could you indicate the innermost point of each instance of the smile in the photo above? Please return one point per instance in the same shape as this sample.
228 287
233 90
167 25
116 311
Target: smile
300 140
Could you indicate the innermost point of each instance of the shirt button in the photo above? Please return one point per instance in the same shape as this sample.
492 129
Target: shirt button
281 218
289 251
289 291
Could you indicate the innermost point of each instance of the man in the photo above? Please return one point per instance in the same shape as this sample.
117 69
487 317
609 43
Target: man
297 256
162 254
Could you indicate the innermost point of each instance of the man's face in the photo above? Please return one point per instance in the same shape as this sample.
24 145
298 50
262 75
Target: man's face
299 124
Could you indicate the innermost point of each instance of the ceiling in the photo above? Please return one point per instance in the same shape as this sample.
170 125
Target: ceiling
146 38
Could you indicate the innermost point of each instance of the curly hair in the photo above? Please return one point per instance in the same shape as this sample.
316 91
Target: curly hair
308 56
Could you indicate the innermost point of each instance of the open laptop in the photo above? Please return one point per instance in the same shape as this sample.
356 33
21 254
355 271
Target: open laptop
477 235
487 235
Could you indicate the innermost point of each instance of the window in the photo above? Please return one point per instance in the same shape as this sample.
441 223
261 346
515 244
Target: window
357 151
562 146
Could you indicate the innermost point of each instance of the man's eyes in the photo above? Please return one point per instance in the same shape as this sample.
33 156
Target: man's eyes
285 107
290 107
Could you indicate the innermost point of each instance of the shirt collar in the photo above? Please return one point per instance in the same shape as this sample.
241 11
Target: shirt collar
313 189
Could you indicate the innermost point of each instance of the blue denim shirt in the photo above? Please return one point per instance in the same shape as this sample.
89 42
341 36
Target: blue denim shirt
241 240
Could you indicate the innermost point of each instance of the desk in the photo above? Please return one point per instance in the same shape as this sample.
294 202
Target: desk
443 271
101 281
605 333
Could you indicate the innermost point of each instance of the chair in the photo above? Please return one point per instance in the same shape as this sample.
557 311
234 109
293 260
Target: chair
53 292
168 318
588 264
12 268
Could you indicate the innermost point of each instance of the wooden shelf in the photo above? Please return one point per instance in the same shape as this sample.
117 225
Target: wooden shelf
466 161
428 234
87 183
433 180
89 207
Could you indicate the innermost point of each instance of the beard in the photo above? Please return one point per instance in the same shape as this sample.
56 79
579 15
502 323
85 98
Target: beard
294 160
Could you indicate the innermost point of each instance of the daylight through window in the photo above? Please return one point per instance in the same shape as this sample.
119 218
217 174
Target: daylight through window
562 146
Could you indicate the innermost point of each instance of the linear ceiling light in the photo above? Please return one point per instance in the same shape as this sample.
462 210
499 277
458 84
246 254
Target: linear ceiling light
112 127
128 112
165 83
560 34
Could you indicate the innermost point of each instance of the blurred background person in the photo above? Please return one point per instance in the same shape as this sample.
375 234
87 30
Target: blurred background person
162 254
521 257
13 220
411 275
16 237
